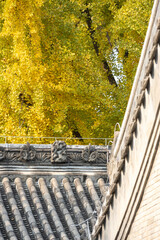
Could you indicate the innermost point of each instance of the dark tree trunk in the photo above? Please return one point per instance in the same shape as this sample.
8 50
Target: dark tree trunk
76 134
96 48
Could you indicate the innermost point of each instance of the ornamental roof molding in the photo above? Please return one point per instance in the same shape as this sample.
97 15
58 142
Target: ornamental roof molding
54 154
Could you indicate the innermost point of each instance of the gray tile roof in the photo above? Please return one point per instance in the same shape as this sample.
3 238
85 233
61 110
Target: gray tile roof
49 202
33 208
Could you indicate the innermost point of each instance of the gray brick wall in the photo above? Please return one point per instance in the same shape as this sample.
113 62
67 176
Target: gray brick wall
146 224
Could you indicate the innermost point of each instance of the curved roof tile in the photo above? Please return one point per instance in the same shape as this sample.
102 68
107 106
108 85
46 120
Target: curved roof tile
51 201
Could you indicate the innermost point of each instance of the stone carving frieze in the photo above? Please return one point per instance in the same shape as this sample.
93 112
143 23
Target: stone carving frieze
43 156
13 156
2 153
74 157
89 154
27 153
103 157
58 152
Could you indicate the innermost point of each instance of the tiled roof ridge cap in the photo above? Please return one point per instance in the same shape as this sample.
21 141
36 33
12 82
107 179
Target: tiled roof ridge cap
57 153
120 149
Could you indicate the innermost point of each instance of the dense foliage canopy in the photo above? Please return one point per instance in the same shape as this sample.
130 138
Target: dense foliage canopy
67 66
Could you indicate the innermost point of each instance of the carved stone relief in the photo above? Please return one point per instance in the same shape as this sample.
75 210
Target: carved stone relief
27 153
90 154
2 153
58 152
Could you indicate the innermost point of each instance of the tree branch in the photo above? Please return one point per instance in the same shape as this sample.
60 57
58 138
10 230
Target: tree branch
96 48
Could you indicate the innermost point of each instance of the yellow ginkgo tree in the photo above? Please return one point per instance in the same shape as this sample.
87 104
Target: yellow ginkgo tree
66 67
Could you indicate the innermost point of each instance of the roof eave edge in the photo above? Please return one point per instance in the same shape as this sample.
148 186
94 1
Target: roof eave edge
136 79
